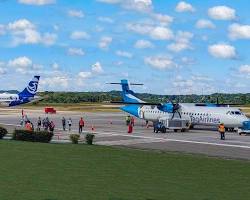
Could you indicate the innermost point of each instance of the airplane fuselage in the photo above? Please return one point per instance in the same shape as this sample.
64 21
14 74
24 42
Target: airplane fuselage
13 99
198 115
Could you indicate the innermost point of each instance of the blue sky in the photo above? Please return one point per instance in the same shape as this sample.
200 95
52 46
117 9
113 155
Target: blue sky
173 47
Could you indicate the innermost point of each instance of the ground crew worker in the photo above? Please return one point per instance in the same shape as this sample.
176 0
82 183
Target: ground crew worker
81 125
69 123
64 123
127 120
221 130
28 126
155 124
130 128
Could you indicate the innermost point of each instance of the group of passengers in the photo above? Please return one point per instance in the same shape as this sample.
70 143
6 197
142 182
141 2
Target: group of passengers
69 123
44 124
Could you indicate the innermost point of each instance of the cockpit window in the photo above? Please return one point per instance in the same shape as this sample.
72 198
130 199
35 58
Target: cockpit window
237 113
234 113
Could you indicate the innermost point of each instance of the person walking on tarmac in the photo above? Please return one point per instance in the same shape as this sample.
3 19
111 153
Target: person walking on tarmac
81 125
221 130
39 123
28 126
127 120
69 123
132 121
64 123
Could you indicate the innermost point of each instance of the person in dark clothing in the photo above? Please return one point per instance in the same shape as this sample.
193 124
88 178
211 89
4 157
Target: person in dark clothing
155 124
39 124
64 123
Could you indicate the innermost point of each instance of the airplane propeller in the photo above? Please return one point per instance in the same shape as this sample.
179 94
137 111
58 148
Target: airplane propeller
176 108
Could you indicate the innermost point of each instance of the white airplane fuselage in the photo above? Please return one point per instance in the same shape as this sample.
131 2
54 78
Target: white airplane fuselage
198 115
6 98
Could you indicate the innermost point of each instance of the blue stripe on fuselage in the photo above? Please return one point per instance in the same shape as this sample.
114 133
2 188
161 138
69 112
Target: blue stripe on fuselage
131 109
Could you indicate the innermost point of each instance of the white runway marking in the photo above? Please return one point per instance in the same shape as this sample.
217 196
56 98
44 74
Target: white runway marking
224 144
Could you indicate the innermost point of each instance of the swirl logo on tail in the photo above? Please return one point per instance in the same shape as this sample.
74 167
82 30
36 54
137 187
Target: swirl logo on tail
32 87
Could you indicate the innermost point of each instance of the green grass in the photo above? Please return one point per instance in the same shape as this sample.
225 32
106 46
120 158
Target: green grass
71 172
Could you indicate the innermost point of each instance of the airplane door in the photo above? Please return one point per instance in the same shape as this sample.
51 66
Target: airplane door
141 114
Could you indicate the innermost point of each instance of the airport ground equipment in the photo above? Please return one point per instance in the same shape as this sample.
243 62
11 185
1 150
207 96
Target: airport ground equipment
173 124
245 129
50 110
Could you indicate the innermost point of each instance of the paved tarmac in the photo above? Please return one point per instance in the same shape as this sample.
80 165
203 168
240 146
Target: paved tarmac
110 129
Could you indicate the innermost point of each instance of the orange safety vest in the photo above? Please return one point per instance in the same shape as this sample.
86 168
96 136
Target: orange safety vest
221 128
28 127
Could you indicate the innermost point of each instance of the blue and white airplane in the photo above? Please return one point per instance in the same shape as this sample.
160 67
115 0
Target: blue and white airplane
198 114
26 96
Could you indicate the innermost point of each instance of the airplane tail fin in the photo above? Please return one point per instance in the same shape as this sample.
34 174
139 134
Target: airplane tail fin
128 95
31 89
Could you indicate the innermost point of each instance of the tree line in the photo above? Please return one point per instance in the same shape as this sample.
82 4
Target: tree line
100 97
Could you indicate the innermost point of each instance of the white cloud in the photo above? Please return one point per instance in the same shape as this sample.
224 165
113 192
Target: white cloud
79 35
222 51
140 28
37 2
184 7
163 19
160 62
244 69
55 66
2 71
155 32
204 23
124 54
85 75
49 39
137 5
222 13
106 19
105 42
182 42
76 13
110 1
161 33
76 52
20 25
183 83
53 82
178 47
97 68
21 62
238 31
25 32
143 44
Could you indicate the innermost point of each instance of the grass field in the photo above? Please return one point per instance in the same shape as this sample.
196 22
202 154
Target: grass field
71 172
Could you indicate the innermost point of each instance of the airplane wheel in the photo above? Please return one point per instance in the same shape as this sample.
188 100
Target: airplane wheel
163 130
